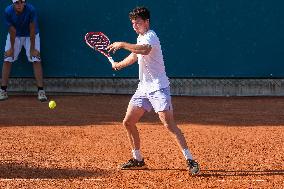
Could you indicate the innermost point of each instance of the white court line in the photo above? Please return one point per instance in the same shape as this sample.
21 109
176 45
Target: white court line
38 179
241 180
93 179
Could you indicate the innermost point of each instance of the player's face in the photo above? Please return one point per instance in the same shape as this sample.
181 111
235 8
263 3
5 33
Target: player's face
140 26
19 6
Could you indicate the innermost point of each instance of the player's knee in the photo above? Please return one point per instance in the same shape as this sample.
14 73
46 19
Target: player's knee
171 127
126 123
168 126
7 63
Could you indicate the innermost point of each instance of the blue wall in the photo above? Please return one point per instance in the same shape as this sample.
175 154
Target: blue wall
200 38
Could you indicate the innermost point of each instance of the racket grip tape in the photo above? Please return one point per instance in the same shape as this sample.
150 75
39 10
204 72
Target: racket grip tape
111 61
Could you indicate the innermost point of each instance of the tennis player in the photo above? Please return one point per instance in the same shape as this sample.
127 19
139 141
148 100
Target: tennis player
21 21
153 89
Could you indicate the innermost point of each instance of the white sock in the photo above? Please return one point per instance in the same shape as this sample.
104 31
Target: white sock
137 155
187 154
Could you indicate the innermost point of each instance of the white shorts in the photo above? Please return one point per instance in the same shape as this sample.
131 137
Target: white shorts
19 43
159 100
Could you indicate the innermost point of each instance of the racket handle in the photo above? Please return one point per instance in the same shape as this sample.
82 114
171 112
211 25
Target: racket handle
111 61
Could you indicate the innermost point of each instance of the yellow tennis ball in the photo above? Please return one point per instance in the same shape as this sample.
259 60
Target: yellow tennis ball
52 104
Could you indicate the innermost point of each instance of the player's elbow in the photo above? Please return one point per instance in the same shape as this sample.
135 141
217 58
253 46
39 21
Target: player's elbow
12 30
146 51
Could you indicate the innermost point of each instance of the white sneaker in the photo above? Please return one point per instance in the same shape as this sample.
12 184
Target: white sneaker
41 96
3 95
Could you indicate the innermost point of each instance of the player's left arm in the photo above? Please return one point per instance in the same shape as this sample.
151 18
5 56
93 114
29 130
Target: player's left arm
32 35
129 60
33 51
134 48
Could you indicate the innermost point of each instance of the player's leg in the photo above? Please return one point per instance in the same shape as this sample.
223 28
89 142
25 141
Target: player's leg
7 65
133 115
161 102
167 119
37 67
38 73
136 109
6 69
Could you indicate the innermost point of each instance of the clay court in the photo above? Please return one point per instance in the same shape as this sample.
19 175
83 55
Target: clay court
238 141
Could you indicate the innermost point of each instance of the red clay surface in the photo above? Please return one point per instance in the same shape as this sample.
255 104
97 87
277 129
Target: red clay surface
239 143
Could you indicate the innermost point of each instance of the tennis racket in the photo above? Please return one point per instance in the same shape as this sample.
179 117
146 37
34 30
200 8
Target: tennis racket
99 42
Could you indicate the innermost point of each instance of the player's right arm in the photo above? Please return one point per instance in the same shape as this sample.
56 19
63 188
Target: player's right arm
134 48
131 59
12 32
33 51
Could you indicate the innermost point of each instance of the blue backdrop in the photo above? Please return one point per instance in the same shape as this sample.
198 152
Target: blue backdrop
200 38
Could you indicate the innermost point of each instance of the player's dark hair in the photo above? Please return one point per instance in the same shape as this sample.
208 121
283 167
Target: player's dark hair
141 12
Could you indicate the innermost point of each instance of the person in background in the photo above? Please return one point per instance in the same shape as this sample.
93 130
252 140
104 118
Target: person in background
22 24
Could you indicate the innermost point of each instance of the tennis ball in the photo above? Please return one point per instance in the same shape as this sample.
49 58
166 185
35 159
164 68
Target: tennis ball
52 104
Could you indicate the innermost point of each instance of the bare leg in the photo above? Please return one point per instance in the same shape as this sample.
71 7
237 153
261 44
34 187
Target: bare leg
38 73
168 121
6 69
132 116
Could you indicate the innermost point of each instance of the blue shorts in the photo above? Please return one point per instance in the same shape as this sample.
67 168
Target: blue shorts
159 100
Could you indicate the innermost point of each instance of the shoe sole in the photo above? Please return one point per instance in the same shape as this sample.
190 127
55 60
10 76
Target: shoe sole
43 100
194 174
134 168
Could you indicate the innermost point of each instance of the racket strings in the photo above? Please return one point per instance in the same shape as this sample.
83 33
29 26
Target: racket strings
98 41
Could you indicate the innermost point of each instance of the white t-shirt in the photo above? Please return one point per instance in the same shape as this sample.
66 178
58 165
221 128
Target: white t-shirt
152 74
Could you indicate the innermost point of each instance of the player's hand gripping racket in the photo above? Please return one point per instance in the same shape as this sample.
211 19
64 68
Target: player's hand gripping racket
99 42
